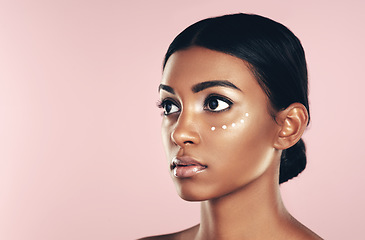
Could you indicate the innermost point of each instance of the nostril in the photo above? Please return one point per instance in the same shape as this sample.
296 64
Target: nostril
184 135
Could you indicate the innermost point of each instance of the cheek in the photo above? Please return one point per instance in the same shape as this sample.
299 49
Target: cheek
239 147
227 135
165 134
167 127
243 125
229 123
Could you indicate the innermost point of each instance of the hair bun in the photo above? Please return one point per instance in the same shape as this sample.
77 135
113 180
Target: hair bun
293 161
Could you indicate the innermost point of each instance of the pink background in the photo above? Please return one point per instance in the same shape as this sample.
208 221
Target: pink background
80 149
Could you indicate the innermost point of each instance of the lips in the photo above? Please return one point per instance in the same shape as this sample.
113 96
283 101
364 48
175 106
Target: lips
186 167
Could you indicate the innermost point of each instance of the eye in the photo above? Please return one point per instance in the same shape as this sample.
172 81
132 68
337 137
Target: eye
169 107
217 104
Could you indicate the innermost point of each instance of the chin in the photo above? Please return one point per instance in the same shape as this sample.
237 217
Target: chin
192 197
192 193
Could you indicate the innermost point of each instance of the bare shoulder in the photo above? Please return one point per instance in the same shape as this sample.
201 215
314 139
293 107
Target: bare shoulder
160 237
309 235
301 232
184 234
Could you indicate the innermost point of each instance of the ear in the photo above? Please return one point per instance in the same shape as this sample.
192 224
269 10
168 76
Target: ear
292 122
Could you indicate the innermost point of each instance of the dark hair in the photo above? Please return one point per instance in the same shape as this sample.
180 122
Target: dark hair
275 56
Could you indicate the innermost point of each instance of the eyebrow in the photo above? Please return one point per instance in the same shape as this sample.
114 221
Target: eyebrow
166 88
201 86
208 84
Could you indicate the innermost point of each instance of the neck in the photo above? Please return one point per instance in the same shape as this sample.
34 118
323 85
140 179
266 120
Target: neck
254 212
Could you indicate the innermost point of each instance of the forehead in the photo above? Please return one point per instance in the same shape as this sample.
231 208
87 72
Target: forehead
197 64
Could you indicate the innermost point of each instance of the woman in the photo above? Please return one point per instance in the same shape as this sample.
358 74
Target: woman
235 102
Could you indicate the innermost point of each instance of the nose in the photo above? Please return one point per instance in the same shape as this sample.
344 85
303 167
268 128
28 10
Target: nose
186 131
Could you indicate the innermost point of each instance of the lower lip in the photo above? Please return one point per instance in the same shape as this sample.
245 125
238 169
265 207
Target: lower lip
187 171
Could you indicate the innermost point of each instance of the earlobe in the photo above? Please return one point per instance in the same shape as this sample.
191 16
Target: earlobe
292 123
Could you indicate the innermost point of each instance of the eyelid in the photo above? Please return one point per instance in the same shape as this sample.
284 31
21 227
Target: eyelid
164 101
219 97
161 102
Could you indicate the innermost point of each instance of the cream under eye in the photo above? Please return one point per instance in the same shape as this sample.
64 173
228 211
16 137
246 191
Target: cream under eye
217 103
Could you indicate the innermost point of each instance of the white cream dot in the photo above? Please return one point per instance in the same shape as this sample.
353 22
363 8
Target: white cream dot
246 114
224 127
242 121
233 124
213 128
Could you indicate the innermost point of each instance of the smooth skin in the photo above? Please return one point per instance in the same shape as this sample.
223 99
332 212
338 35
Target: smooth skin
239 188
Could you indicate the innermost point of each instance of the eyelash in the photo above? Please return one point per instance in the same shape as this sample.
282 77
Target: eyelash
219 97
162 103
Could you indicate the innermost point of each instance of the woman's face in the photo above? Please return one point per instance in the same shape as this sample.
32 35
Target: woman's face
217 132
